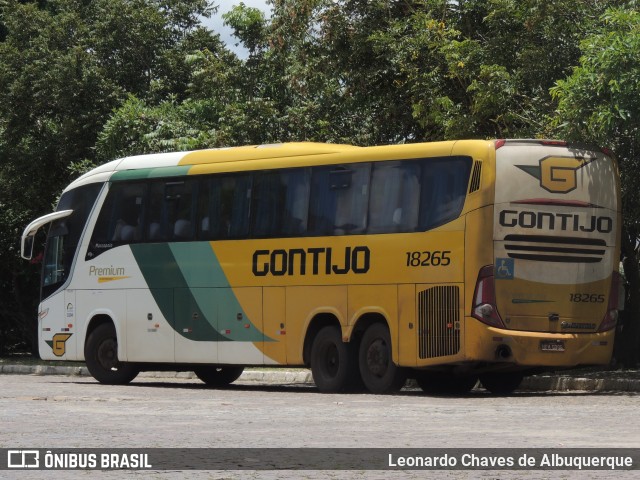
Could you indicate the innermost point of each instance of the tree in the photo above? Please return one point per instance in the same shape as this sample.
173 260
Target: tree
599 102
478 69
64 66
225 102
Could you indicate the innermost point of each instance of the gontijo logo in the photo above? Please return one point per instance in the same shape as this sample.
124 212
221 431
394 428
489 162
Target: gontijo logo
557 174
58 343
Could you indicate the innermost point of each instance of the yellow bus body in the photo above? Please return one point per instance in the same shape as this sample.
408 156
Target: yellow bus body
536 226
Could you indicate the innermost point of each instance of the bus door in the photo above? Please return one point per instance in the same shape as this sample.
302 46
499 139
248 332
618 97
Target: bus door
218 325
149 334
274 325
196 325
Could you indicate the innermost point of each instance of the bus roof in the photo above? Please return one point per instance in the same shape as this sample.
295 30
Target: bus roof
255 157
136 163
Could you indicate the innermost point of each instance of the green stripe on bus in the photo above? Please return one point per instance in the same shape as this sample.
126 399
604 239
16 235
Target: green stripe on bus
144 173
212 292
193 293
172 294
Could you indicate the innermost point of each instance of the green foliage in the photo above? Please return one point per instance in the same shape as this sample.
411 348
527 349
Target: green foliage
599 103
599 100
136 128
65 65
249 25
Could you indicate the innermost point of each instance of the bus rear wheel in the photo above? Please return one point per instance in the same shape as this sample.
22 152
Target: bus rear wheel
379 373
101 357
217 376
501 383
333 363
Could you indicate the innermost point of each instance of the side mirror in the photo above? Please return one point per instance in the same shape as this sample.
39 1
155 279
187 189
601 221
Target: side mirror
26 244
26 250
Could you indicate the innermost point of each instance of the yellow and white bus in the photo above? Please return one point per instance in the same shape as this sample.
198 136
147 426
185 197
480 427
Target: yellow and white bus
445 262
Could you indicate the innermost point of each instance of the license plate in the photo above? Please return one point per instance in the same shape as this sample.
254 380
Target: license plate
552 345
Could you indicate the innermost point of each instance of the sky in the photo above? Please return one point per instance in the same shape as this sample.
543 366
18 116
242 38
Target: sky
215 23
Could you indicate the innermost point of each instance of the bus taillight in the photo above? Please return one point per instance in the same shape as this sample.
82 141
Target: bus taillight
616 301
484 299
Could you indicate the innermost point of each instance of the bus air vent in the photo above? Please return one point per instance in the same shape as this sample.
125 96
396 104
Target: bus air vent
439 321
474 184
543 248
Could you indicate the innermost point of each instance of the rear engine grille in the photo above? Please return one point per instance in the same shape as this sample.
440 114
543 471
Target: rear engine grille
474 184
555 249
439 321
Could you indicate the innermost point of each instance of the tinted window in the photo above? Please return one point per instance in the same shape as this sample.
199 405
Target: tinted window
395 197
224 206
339 198
379 197
64 236
280 203
120 220
443 190
170 211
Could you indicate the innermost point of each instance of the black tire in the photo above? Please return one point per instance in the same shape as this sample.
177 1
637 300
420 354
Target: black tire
439 383
379 373
218 376
333 362
501 383
101 357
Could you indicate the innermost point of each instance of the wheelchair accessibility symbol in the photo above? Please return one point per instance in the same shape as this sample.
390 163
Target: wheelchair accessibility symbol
504 268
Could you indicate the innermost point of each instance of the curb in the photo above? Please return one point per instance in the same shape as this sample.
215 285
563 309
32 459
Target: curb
536 383
283 376
567 383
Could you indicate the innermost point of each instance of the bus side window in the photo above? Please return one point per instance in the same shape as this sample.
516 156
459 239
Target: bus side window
296 202
266 209
395 197
155 218
203 216
119 221
223 207
443 190
280 203
178 199
339 199
237 206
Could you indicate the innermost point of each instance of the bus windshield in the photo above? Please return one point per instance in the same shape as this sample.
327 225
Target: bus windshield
64 236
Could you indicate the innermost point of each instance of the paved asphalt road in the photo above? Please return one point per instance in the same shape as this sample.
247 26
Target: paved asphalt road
51 411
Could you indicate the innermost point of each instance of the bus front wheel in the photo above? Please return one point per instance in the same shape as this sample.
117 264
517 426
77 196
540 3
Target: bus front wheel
216 376
333 365
379 373
101 357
